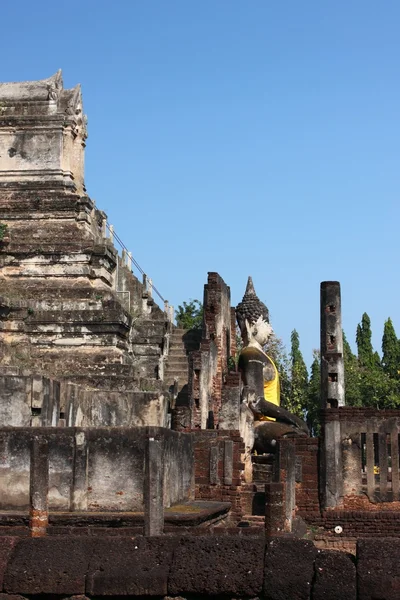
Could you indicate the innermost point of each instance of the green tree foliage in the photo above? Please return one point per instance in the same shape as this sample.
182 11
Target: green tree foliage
390 350
352 375
3 231
313 396
298 378
364 343
378 387
190 315
276 350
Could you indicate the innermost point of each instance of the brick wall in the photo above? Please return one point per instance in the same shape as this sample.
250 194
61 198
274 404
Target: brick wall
218 327
357 524
307 496
215 479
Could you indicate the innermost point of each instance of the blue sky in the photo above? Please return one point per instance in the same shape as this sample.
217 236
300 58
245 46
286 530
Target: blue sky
246 138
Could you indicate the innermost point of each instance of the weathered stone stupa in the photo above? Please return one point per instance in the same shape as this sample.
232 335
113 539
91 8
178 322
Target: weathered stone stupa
68 301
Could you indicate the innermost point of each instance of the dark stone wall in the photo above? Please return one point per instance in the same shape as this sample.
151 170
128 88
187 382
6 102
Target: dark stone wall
228 567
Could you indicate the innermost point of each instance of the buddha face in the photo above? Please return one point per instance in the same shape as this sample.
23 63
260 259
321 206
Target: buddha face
259 331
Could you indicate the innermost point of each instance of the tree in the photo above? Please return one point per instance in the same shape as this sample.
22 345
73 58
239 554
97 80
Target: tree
190 315
364 343
352 375
276 350
390 350
314 395
298 378
378 389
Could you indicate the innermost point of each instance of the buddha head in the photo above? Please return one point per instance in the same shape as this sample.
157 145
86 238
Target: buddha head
253 317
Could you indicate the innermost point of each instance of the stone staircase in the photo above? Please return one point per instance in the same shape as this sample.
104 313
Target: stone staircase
254 495
182 341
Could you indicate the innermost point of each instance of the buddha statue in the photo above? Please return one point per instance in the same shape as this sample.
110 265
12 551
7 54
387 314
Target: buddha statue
260 377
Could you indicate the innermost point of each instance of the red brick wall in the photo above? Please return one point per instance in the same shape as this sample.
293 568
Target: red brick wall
307 497
204 490
357 524
218 326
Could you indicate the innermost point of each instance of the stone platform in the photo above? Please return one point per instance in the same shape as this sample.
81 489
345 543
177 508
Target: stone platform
197 513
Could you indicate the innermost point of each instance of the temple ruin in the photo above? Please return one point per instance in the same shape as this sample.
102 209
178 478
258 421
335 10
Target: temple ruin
114 422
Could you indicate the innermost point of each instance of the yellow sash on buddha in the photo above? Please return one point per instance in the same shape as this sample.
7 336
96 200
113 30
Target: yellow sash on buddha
272 392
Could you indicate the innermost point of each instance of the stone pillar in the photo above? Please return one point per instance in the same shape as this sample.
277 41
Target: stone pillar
285 473
37 400
332 393
104 227
153 486
274 509
229 416
214 459
80 473
111 231
129 261
228 462
332 367
39 487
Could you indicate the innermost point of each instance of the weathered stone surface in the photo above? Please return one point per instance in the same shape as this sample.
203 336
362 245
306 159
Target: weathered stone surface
378 569
68 297
335 576
49 566
109 477
289 569
130 567
204 565
7 546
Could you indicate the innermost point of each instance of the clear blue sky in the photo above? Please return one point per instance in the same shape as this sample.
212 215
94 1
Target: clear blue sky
253 137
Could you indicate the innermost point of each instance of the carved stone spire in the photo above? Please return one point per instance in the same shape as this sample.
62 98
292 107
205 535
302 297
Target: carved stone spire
250 287
251 307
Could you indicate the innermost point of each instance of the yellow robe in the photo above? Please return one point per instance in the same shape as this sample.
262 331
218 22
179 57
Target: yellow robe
272 391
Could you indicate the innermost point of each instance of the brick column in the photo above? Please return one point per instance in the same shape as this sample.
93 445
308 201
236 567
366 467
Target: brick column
285 473
274 508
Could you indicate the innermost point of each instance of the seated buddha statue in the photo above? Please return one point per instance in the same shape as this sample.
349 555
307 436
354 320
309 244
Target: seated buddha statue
260 377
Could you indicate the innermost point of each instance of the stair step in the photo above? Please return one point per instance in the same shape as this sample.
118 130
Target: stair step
177 360
176 351
173 371
257 520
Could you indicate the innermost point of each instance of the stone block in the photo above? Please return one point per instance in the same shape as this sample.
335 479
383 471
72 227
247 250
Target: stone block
218 565
7 546
335 576
289 569
130 566
49 565
378 569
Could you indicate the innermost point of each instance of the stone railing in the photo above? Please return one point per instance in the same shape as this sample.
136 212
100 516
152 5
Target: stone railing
129 261
361 454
